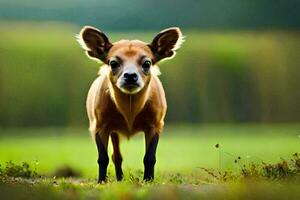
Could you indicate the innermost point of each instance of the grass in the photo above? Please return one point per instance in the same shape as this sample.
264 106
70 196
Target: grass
181 148
74 189
183 152
260 183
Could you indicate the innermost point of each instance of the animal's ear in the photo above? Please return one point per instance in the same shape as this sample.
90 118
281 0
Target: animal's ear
94 42
165 43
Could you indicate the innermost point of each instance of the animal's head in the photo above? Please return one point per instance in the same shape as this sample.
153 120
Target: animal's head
131 63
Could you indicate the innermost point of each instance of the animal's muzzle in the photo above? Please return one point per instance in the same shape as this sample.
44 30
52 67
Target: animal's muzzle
130 78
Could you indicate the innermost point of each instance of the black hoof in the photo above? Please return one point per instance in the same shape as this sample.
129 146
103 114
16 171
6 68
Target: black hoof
120 178
101 181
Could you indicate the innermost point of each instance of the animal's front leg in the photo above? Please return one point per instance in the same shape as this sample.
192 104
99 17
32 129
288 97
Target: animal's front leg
117 157
102 141
151 139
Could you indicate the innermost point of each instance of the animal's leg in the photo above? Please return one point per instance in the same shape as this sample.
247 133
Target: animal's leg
102 141
116 156
151 140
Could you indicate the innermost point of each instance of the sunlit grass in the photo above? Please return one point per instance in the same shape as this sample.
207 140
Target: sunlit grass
181 148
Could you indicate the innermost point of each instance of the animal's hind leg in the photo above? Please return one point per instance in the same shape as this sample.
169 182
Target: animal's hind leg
102 141
117 157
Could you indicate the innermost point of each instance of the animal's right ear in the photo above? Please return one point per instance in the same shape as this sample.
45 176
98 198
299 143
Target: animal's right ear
94 42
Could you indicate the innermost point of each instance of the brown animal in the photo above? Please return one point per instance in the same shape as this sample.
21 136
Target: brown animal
127 97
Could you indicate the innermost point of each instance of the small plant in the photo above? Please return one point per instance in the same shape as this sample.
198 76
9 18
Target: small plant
222 176
285 169
282 170
295 162
221 152
14 170
134 176
176 178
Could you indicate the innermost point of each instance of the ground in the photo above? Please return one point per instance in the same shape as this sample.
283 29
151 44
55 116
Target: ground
183 152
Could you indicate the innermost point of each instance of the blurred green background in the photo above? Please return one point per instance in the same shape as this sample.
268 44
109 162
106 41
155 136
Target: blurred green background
240 61
239 64
217 76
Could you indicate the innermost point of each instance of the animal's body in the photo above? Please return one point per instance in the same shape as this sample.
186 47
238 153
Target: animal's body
127 97
132 114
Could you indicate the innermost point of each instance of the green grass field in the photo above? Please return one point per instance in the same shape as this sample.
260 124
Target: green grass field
181 148
182 151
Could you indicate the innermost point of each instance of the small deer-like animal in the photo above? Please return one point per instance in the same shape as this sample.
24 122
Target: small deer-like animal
127 97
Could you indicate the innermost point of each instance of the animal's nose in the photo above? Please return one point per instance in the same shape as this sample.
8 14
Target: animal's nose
130 78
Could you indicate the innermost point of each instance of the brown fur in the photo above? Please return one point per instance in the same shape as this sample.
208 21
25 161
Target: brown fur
111 110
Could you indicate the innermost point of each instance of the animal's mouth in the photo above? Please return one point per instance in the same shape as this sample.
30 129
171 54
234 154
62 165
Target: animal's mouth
130 88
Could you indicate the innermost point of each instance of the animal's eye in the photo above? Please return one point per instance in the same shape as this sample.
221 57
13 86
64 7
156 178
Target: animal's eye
114 64
146 65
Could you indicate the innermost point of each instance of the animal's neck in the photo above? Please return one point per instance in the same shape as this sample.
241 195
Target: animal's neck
129 105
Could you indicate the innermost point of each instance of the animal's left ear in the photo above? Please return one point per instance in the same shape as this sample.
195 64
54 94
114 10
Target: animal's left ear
165 44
